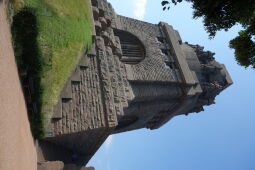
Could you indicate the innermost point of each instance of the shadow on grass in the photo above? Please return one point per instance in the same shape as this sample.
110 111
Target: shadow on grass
28 57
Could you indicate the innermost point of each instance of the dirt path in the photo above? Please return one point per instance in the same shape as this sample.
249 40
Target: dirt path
17 151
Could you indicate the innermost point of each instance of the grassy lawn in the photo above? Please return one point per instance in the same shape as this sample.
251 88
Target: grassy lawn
49 38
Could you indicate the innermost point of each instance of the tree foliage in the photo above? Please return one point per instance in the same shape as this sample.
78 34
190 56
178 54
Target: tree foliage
245 47
222 15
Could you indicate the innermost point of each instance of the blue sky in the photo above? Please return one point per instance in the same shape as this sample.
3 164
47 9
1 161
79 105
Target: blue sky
220 138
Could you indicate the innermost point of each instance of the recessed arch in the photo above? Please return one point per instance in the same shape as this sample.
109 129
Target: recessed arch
133 50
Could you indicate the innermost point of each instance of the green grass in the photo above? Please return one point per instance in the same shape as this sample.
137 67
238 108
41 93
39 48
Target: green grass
49 37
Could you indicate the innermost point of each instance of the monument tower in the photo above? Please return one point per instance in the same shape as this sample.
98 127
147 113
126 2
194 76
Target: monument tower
137 75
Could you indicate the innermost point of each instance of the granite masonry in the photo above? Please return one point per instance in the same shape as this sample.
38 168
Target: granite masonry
137 75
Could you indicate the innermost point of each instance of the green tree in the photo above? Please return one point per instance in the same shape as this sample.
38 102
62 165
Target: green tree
222 15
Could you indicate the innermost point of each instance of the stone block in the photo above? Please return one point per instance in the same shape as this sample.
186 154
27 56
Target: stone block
95 13
76 75
172 39
67 91
50 165
92 52
84 63
57 111
103 22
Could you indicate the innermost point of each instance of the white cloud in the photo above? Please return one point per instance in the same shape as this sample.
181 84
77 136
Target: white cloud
140 7
108 142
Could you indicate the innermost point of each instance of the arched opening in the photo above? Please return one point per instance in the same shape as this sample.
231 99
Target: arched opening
133 50
126 121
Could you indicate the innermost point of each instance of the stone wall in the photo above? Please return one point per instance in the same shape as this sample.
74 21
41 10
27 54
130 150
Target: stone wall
83 110
153 67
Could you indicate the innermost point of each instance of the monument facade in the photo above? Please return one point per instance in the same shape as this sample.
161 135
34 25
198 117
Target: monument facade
137 75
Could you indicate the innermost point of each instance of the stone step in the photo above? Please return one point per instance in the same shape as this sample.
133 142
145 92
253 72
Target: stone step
67 91
57 111
92 52
84 63
76 77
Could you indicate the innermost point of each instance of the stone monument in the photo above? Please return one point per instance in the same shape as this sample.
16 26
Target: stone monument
137 75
